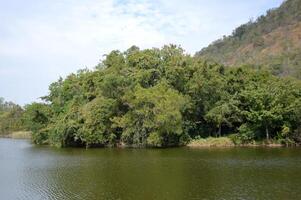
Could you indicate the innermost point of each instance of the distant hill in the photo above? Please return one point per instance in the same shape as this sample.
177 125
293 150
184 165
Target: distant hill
273 41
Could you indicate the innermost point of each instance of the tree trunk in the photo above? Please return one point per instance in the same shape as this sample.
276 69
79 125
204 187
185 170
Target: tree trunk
220 130
267 133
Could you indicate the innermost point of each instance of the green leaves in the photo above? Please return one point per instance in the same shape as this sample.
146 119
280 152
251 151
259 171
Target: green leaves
267 103
154 114
97 125
163 97
10 117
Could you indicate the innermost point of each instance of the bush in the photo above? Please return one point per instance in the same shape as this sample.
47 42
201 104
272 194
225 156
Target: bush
235 139
246 134
154 140
41 137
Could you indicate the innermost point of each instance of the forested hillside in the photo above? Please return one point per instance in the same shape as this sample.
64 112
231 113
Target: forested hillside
272 42
164 97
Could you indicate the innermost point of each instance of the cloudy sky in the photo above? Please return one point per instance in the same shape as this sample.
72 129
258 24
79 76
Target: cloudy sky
41 40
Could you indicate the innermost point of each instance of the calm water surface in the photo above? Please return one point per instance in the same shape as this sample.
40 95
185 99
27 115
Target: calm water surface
32 172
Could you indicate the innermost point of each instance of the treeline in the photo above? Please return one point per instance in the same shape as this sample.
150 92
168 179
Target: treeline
10 117
271 41
164 97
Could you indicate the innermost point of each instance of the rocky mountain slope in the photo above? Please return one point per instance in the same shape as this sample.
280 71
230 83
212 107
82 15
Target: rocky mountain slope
273 41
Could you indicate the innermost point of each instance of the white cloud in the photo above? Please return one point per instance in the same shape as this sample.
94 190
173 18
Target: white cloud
42 40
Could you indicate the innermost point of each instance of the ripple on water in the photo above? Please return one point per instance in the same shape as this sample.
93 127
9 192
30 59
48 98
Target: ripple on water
30 172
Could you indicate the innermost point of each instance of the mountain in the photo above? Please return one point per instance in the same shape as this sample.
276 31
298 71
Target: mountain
273 41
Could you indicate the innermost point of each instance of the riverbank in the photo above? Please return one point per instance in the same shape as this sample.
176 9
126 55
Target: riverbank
228 142
18 135
210 142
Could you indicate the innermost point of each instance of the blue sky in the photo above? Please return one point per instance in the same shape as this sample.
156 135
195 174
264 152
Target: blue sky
42 40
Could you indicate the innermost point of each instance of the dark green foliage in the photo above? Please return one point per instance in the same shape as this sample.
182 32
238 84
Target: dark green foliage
163 97
36 119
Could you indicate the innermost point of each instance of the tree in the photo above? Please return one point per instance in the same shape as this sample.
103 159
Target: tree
154 117
163 97
36 118
225 112
10 117
97 125
261 106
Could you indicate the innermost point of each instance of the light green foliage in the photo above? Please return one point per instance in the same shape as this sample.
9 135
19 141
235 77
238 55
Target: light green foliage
263 108
163 97
154 116
10 117
97 125
247 133
266 104
224 112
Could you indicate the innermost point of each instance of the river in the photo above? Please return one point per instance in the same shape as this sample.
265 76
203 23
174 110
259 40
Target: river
40 172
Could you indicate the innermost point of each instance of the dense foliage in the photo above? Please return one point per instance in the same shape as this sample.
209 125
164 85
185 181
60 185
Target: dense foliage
272 41
10 117
164 97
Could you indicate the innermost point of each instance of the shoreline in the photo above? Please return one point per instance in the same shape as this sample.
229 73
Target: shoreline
226 142
203 143
17 135
193 146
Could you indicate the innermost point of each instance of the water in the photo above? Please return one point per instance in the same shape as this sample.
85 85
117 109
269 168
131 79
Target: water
33 172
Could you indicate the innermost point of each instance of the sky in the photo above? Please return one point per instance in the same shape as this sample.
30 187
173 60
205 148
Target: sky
41 40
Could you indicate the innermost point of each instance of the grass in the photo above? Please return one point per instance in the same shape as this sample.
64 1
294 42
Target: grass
231 142
19 135
212 142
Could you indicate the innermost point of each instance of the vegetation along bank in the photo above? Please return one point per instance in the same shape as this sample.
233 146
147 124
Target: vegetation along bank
161 98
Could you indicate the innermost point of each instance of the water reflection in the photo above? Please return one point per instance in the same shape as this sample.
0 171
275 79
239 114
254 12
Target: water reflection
31 172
